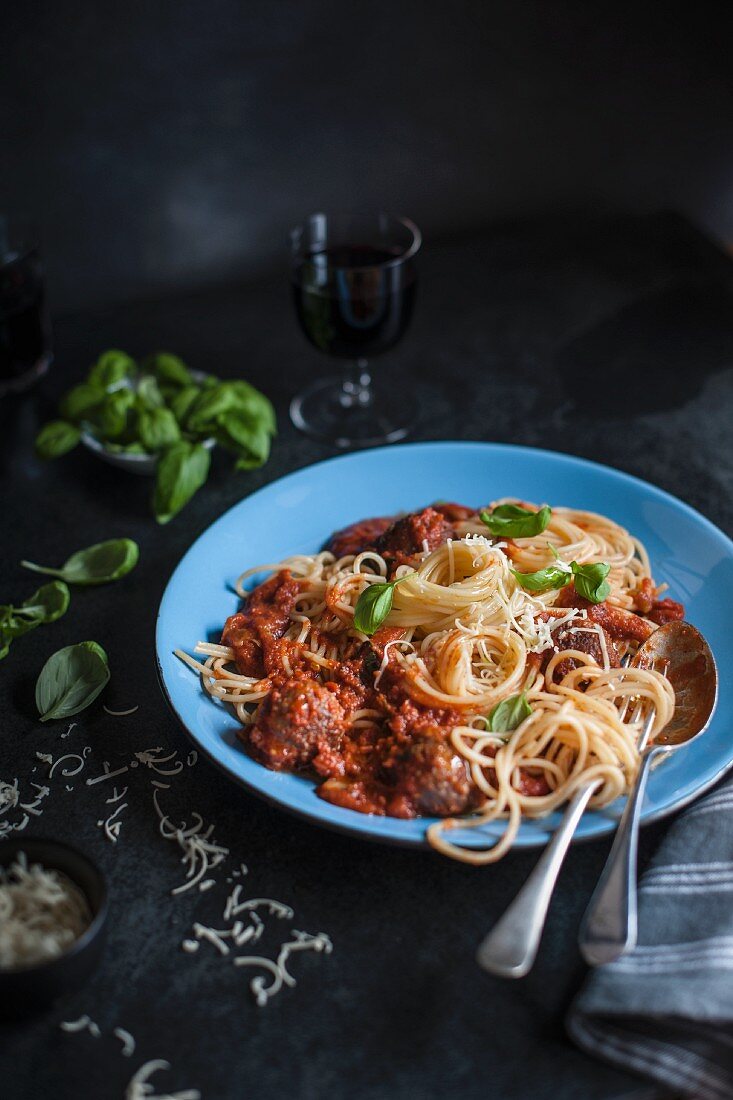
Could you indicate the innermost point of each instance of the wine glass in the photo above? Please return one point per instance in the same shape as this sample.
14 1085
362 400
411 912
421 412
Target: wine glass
353 279
25 328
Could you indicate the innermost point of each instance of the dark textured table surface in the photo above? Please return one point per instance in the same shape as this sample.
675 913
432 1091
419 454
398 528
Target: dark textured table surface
612 340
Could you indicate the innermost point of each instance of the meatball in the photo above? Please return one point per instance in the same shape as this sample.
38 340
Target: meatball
294 722
431 778
455 513
622 625
587 639
262 621
411 534
358 536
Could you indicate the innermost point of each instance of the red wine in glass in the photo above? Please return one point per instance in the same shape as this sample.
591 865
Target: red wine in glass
353 280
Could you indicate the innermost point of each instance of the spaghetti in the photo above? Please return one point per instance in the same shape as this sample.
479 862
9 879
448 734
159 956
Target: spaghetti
404 719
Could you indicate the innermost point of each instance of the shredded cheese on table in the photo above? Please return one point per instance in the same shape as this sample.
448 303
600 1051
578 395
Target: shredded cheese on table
140 1089
84 1023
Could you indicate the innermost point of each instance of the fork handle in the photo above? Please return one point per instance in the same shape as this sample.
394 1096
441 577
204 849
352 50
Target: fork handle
609 927
510 948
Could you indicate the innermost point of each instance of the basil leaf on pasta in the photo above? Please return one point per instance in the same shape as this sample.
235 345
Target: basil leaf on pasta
514 522
509 713
375 604
544 579
590 580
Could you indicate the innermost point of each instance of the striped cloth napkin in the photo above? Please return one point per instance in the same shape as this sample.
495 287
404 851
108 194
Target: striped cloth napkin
666 1009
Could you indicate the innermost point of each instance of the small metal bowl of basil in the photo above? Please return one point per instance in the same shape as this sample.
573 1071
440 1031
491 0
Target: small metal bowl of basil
135 461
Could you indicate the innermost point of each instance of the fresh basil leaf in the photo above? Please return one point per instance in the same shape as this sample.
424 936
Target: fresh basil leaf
112 367
246 436
158 429
13 625
182 469
149 395
98 564
168 369
208 407
95 647
250 400
111 416
590 580
80 401
373 607
514 522
544 579
48 603
57 438
509 713
70 680
182 402
374 604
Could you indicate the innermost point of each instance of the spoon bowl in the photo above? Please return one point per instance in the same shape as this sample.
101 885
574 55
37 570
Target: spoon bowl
690 668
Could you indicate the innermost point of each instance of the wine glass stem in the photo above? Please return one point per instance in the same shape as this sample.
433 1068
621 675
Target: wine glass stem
356 390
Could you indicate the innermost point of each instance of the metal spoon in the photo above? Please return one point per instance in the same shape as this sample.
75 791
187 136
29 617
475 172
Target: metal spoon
511 947
609 927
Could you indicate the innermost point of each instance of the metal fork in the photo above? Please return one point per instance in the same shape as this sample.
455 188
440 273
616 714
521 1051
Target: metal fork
510 949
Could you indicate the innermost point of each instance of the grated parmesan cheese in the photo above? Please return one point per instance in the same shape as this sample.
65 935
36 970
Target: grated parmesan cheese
84 1023
140 1089
42 913
127 1040
201 853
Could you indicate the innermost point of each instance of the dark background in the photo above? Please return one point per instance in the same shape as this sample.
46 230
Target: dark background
170 144
559 158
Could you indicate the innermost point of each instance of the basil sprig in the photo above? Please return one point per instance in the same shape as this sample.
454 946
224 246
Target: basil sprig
509 713
161 408
374 605
514 522
590 580
98 564
46 605
71 679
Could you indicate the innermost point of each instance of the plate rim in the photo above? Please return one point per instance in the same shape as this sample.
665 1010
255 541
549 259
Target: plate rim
606 826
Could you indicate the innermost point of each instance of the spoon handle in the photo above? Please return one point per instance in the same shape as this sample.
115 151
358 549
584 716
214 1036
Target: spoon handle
609 926
510 948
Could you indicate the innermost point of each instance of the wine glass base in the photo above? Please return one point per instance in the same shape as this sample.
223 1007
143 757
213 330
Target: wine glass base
324 412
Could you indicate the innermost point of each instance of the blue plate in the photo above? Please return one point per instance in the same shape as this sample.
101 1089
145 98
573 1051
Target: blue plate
297 513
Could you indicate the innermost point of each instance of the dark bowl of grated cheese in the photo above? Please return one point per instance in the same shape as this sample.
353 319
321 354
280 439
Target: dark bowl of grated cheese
53 910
